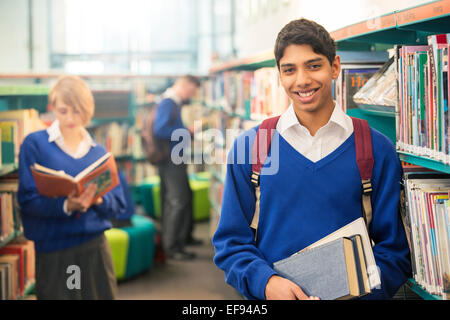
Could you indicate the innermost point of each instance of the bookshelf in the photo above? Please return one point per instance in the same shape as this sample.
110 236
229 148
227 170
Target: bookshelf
5 172
410 26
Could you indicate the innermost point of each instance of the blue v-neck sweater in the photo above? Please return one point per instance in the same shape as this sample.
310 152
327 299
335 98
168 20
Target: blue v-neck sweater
43 218
301 202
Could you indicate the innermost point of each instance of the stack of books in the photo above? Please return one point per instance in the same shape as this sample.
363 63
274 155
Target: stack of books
17 269
340 266
426 217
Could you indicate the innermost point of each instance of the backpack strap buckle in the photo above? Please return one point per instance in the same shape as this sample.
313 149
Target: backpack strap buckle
255 178
366 187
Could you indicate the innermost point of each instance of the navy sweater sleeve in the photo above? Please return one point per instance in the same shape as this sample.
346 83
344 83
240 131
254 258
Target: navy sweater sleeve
30 201
391 248
244 265
166 121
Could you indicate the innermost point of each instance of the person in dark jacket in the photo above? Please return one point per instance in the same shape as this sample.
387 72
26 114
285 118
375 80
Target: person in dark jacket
176 194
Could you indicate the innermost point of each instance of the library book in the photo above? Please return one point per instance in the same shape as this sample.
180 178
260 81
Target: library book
57 183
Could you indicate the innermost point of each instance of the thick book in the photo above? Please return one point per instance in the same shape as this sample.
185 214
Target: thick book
53 183
328 271
357 226
361 265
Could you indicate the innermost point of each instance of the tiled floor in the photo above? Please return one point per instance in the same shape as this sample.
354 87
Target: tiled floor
198 279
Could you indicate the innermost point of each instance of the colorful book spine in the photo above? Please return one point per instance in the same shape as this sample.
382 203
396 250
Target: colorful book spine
423 91
428 230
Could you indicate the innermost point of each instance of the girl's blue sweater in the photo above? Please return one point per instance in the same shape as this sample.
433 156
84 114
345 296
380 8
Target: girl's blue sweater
43 218
303 202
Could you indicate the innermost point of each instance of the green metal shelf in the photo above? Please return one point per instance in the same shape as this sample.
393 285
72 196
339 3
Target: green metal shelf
424 162
409 26
377 120
411 283
12 91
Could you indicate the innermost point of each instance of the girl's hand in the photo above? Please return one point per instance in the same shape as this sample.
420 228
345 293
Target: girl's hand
83 201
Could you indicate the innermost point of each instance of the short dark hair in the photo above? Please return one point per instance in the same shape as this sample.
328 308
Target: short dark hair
303 31
192 79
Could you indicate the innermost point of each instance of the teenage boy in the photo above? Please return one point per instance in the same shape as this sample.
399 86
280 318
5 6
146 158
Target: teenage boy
317 187
176 194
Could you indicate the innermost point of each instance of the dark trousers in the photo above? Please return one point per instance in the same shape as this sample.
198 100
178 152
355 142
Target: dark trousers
91 262
176 206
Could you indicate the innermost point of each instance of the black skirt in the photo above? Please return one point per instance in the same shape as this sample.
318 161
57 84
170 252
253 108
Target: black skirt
84 272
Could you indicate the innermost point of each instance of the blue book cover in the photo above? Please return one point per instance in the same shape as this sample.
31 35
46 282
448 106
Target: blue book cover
327 271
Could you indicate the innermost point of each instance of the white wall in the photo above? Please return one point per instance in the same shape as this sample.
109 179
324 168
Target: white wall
14 36
257 32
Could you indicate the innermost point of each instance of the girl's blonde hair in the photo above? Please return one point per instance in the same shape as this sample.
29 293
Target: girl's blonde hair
74 92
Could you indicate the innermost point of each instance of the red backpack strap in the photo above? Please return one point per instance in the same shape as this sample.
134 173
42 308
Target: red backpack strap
364 160
261 148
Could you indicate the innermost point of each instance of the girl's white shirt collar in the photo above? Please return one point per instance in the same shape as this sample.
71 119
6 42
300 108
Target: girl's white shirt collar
55 135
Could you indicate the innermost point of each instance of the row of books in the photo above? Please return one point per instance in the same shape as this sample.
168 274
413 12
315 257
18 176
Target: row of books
10 222
426 216
15 125
17 268
7 217
422 117
251 94
121 139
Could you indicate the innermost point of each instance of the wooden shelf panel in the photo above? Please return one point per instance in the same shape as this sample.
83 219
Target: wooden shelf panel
422 13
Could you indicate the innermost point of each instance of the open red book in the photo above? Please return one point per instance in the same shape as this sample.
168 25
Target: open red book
57 183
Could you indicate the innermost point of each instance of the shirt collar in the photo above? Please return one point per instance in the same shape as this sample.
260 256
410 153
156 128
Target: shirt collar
289 119
54 133
170 93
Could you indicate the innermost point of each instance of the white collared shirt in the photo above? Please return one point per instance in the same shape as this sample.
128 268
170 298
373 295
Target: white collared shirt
170 93
327 139
54 134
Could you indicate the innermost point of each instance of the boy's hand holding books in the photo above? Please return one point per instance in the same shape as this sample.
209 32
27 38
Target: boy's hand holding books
84 200
279 288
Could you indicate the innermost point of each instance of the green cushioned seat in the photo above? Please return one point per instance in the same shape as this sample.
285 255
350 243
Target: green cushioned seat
149 195
119 243
136 194
201 176
141 251
199 183
200 202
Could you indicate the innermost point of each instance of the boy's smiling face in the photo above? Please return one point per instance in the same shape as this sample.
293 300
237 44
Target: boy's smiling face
307 76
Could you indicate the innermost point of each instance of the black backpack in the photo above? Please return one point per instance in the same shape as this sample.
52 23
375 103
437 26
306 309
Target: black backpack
157 150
